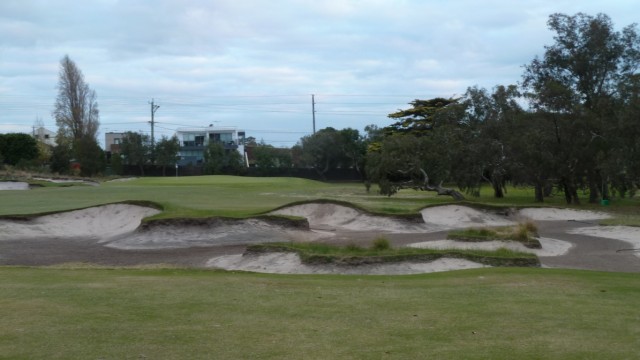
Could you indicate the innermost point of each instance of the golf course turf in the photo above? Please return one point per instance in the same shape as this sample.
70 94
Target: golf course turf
83 311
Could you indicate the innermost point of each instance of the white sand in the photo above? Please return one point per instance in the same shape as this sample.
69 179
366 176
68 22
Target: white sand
217 233
101 222
333 216
628 234
117 226
455 216
289 263
13 185
550 247
545 214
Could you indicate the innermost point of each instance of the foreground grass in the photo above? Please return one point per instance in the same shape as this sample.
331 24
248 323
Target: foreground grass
190 314
314 253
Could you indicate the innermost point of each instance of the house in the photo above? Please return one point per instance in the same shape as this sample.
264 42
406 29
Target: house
112 141
45 136
193 142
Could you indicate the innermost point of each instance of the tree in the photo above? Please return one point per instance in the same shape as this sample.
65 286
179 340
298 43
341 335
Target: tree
17 147
322 150
90 155
77 116
76 108
136 149
269 159
418 150
217 160
329 149
576 85
167 152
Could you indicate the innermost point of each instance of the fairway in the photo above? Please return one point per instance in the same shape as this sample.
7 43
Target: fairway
187 314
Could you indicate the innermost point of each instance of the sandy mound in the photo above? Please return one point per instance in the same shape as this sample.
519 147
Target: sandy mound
101 222
210 232
628 234
13 185
545 214
333 216
550 247
455 216
289 263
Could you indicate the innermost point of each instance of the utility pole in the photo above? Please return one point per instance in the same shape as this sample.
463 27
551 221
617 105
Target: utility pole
153 111
313 111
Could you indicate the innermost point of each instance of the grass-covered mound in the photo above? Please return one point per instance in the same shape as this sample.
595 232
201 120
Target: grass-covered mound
525 233
381 252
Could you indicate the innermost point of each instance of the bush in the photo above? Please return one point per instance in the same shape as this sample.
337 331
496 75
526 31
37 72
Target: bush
381 243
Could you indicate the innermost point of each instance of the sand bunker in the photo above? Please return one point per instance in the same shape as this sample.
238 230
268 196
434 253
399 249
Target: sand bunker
550 247
455 216
209 232
546 214
101 222
333 216
289 263
13 185
628 234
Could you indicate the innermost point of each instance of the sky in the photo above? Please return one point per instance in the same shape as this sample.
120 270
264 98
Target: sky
255 64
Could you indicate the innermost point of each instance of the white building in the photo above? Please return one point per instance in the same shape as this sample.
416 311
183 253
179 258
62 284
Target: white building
193 142
45 136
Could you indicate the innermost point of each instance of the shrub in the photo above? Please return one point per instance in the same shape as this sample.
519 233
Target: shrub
381 243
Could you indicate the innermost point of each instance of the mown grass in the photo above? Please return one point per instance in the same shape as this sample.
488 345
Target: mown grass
315 253
493 313
204 196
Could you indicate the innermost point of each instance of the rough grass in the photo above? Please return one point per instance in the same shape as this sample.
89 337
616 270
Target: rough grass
524 233
494 313
315 253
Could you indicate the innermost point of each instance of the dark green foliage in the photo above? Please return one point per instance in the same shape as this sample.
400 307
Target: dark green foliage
17 147
217 160
135 149
268 158
580 87
420 118
166 152
90 156
329 149
60 159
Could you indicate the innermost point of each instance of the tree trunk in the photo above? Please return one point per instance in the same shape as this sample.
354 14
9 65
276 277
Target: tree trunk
539 192
594 191
497 190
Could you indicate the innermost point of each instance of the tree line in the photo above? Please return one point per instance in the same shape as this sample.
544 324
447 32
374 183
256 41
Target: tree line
570 125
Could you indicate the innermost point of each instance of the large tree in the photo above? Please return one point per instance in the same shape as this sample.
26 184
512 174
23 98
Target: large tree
418 151
77 116
76 107
576 86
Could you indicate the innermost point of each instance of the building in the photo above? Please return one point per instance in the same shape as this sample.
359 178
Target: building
193 142
45 136
112 142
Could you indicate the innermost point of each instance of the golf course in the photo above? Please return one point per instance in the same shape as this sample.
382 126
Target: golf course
126 299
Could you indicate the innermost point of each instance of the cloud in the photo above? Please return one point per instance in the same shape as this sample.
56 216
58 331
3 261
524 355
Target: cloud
198 56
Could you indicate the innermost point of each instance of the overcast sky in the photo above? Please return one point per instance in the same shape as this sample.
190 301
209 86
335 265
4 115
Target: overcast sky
254 64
